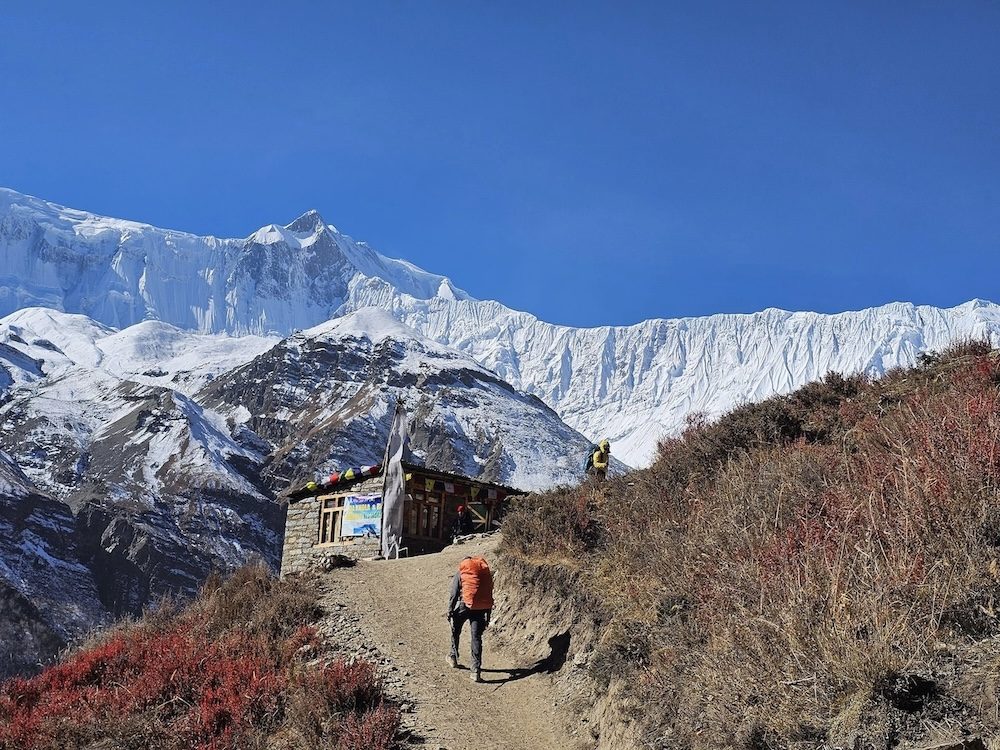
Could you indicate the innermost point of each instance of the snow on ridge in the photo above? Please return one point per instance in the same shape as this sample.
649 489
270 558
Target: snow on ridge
165 351
404 276
151 351
372 323
61 339
272 234
377 325
299 234
61 218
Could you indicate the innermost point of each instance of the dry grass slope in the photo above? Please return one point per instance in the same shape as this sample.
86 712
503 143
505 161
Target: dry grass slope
237 668
817 570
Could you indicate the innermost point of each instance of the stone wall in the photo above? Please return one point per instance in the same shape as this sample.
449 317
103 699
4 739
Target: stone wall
300 551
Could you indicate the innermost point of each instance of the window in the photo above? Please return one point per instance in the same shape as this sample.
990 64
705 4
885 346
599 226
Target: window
410 527
434 529
423 517
330 513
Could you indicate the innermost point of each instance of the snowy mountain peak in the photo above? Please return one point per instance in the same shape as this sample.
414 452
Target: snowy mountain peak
372 323
975 304
277 280
303 232
308 223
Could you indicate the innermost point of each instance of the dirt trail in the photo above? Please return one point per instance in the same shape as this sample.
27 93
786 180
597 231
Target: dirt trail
399 606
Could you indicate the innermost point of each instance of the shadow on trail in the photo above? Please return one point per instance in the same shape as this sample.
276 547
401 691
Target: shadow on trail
558 648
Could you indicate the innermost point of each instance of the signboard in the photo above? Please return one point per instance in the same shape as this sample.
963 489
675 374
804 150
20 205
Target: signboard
362 516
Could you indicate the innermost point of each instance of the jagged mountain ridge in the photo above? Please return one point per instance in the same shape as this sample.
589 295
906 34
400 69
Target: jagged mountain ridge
120 273
633 384
638 383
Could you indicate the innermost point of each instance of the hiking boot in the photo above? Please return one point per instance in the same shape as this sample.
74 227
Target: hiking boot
474 676
452 661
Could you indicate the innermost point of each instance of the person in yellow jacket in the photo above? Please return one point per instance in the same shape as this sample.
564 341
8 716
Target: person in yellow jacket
598 460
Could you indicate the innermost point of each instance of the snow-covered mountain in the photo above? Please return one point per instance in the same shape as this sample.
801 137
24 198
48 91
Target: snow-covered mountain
636 384
119 273
324 398
115 486
632 384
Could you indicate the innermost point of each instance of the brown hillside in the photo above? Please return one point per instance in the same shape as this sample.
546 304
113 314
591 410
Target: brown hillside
817 570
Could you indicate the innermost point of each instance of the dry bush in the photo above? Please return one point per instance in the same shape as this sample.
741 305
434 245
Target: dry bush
253 600
801 571
352 691
558 525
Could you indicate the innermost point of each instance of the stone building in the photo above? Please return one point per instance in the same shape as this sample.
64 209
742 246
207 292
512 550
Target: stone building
344 518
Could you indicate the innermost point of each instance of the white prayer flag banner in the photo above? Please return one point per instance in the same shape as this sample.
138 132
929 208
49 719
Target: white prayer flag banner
394 492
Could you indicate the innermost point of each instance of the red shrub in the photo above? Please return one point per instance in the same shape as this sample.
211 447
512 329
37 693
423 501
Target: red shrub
191 683
372 730
304 640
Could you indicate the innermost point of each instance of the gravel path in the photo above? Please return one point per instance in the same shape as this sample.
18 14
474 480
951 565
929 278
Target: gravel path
397 608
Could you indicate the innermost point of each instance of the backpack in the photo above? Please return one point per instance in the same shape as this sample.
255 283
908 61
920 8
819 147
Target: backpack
589 464
477 583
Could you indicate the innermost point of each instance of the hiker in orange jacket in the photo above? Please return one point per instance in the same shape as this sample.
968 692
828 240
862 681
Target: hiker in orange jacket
471 599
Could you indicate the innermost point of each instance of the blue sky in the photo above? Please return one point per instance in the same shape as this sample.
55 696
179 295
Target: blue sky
589 162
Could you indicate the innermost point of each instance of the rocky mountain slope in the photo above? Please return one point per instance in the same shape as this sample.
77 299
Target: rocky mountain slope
325 397
48 595
632 384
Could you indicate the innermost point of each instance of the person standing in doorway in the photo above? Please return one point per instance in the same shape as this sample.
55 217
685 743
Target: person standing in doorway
470 599
462 524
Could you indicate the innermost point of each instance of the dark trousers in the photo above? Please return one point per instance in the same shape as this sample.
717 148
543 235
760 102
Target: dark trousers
477 624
